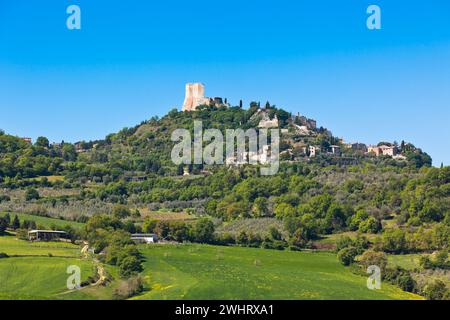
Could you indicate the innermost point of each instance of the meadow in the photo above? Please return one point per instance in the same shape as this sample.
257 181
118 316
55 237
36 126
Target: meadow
14 247
181 272
31 278
210 272
38 270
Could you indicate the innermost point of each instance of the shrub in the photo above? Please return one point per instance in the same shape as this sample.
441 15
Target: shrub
394 241
406 282
347 255
4 198
128 288
436 291
372 258
31 194
22 234
371 225
3 225
120 211
129 266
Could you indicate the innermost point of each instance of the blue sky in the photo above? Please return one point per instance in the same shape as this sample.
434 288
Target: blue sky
131 59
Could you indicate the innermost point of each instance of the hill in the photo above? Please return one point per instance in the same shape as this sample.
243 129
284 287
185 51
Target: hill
208 272
326 195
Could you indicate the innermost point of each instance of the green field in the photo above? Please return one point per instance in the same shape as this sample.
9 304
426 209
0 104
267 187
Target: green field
14 247
209 272
188 272
44 222
30 273
38 277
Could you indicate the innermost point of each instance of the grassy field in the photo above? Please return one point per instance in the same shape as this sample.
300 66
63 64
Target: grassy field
37 277
44 221
188 272
14 247
30 273
209 272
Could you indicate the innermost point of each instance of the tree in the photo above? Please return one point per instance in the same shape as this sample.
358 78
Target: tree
7 218
284 210
275 234
347 255
203 231
31 194
16 223
372 258
129 266
441 258
120 211
3 225
371 225
357 219
69 152
394 241
261 207
242 238
42 142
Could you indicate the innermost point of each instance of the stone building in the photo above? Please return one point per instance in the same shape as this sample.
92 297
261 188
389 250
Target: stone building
195 97
382 150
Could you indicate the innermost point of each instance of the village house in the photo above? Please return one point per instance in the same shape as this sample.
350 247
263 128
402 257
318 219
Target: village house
336 150
357 147
313 151
382 150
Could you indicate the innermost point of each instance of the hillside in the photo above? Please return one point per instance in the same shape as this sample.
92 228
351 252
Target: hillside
356 200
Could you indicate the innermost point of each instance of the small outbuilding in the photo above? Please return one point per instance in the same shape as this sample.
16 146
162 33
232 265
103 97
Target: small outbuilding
46 235
145 238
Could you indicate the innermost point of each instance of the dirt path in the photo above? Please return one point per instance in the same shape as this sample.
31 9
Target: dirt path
102 275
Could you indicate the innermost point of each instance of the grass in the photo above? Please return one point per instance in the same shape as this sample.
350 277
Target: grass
407 261
30 273
32 278
194 272
49 178
208 272
14 247
44 222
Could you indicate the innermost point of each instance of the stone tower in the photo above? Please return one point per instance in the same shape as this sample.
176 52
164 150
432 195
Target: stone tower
195 96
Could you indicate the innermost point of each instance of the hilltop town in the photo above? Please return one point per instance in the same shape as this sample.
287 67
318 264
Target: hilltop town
298 131
302 138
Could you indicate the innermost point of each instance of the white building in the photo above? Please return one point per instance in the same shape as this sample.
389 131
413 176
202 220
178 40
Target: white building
144 238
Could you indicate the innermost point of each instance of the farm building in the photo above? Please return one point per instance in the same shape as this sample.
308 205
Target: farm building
144 238
46 235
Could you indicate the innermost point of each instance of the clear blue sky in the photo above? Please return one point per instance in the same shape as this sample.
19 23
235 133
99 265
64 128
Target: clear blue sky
131 59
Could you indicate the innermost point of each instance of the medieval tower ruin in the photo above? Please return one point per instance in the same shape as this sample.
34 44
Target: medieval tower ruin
195 96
